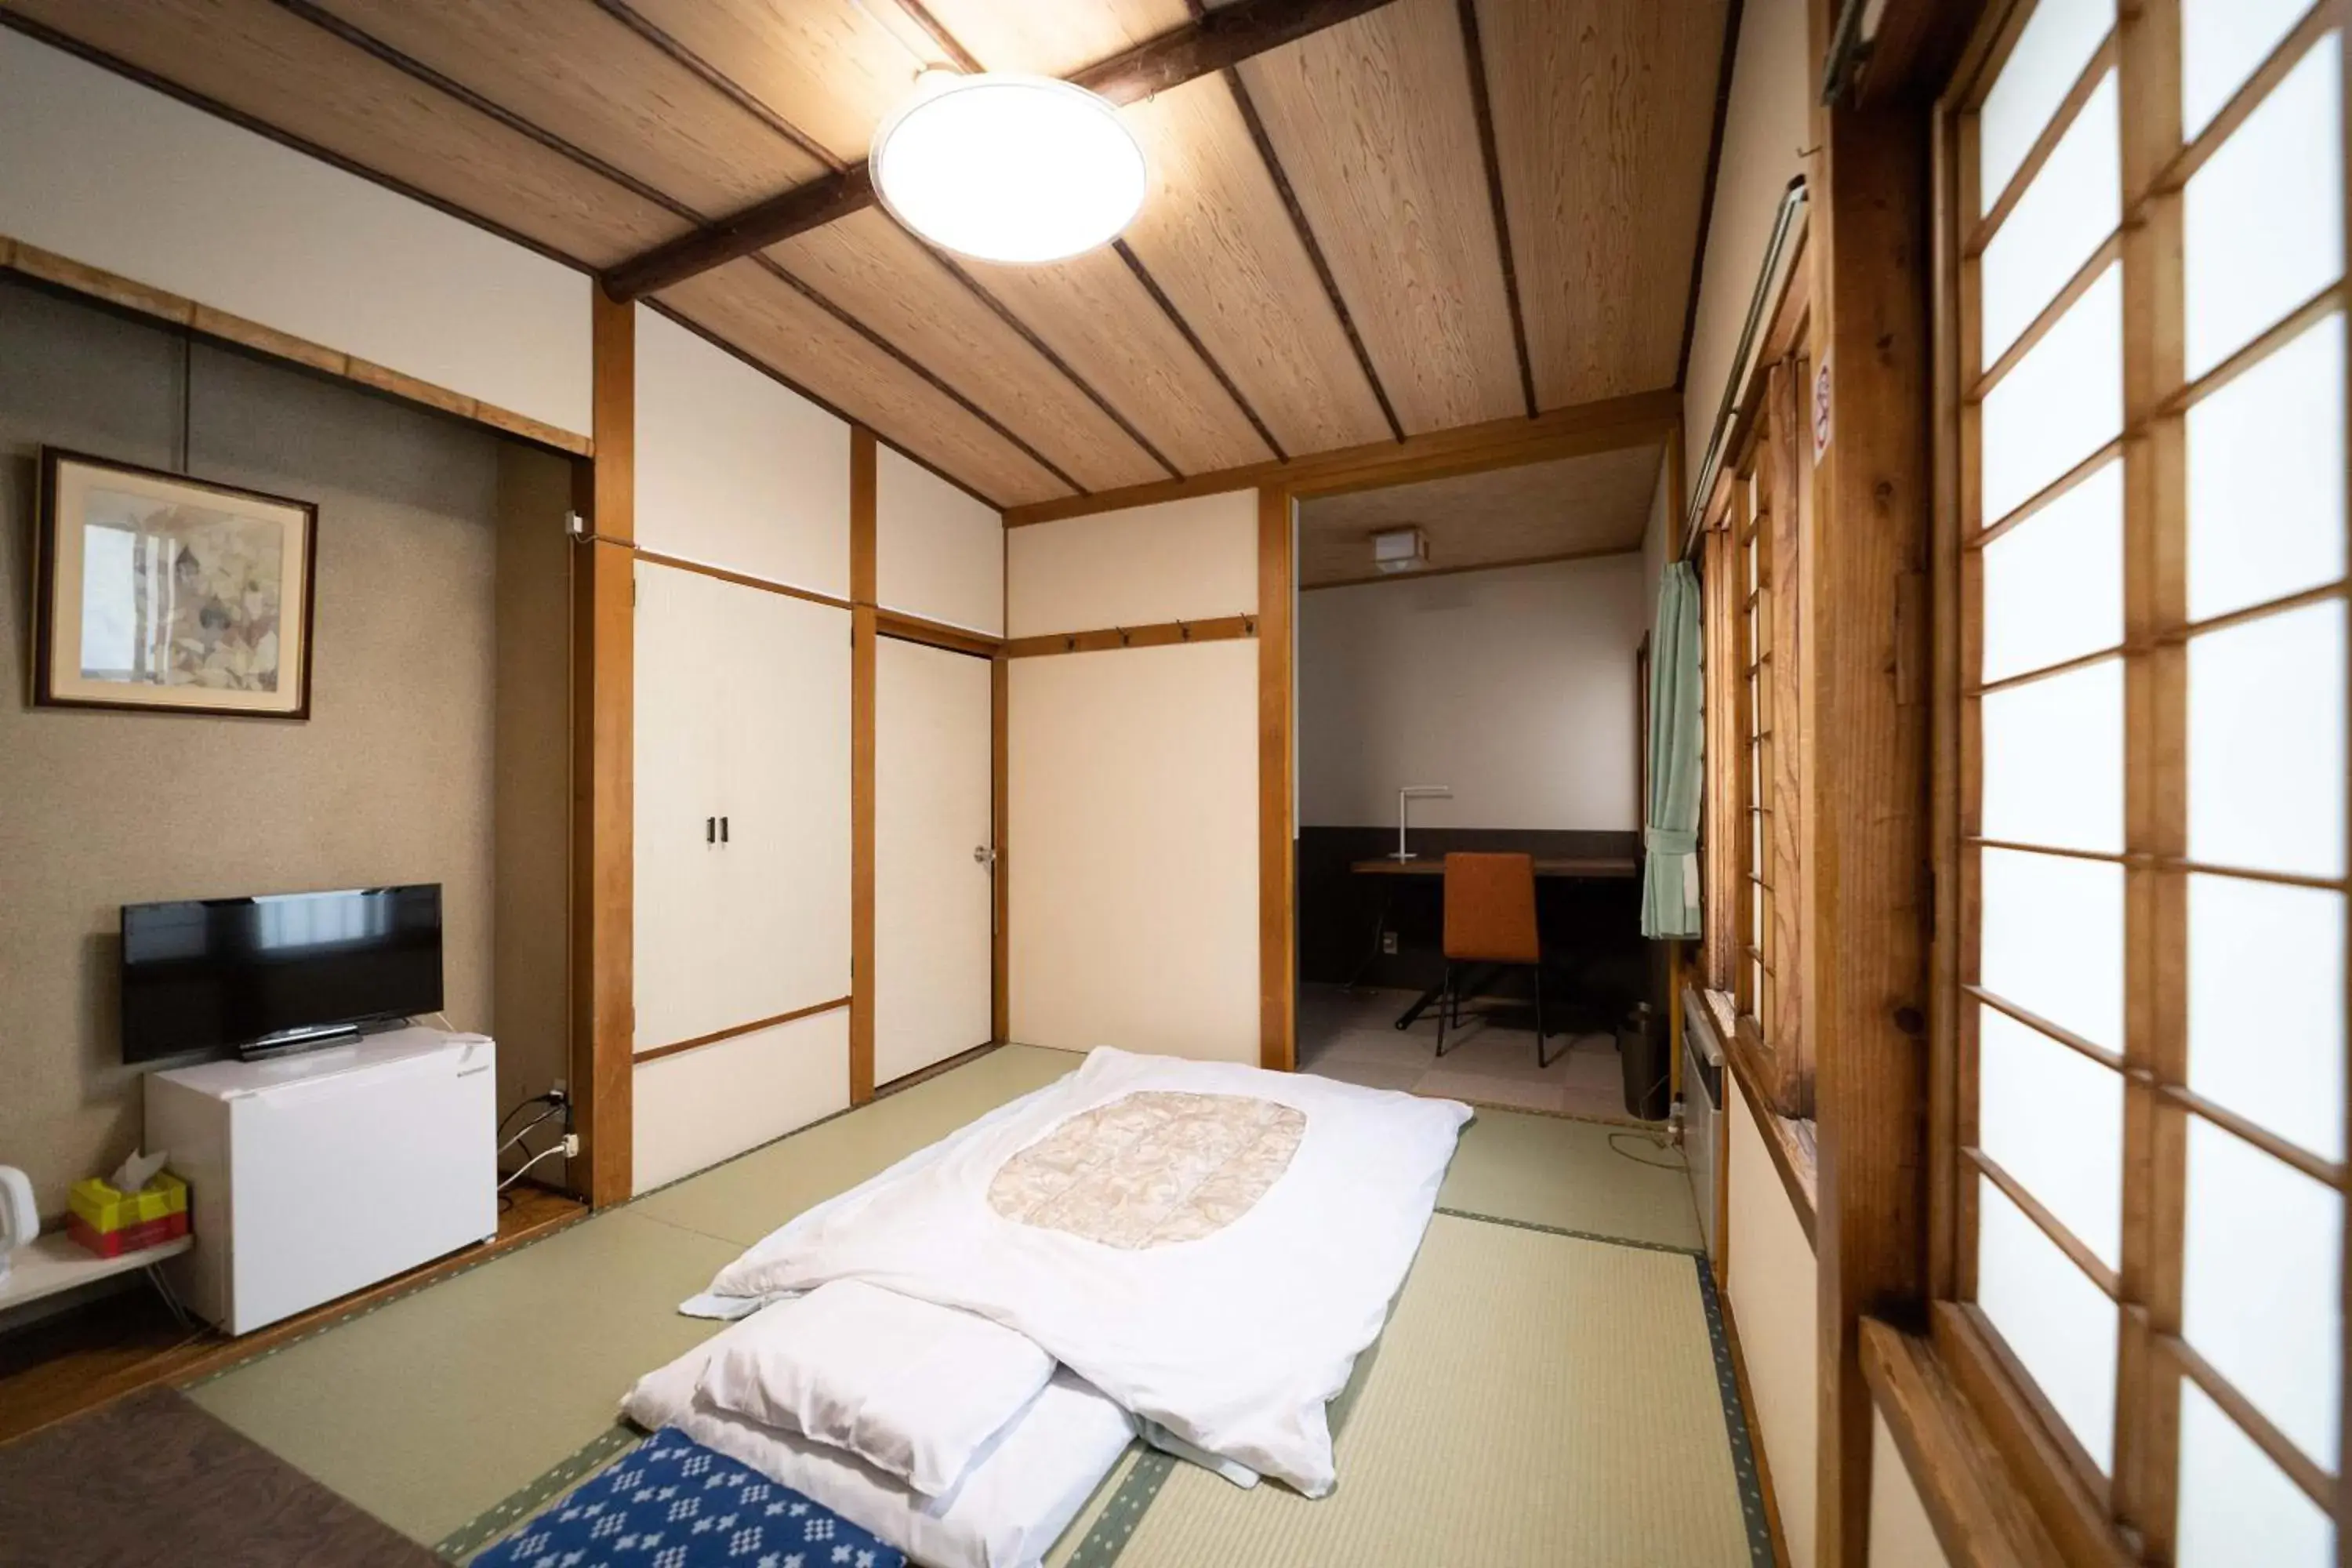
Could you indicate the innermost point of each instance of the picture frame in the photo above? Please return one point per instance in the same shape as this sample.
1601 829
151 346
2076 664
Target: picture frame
154 592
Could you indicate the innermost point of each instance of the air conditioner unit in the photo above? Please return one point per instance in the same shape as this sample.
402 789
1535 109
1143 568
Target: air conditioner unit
1400 550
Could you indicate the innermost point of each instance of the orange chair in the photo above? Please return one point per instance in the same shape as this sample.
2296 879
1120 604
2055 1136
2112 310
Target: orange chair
1490 919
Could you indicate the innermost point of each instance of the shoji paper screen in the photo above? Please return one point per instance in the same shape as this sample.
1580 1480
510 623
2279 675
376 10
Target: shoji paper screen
2153 755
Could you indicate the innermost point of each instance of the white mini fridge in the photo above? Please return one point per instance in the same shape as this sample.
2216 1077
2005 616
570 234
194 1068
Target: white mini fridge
311 1176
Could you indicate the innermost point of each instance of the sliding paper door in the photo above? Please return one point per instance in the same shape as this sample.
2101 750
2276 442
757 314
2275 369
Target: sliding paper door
2151 1026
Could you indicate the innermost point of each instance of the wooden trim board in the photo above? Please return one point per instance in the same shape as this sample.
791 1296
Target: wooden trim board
935 634
679 1047
124 293
999 684
603 653
1160 634
1586 427
863 630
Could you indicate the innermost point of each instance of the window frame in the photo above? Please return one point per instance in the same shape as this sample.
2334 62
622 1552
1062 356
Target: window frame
2132 1513
1758 514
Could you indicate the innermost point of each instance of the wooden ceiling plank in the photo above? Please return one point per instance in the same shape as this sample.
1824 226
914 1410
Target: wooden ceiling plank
1373 121
719 81
1603 113
263 64
577 79
1482 107
1098 318
909 363
319 16
874 269
1595 504
1176 318
830 66
1221 238
1028 334
1731 19
746 305
944 40
1314 248
1194 48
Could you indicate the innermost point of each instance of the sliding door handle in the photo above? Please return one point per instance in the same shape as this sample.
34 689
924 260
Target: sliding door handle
722 830
710 830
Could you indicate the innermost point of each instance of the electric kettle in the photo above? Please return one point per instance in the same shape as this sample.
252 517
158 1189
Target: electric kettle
19 1224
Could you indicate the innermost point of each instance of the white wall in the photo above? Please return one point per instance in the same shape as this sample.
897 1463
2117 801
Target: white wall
1766 125
939 553
734 468
1182 560
1516 687
1772 1285
121 177
1132 834
1901 1536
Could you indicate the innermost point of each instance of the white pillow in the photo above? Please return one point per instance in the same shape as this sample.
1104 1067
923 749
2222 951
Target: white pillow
915 1391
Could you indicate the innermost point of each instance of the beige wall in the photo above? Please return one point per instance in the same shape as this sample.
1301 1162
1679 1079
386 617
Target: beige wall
1773 1285
1766 127
1132 844
389 781
1516 687
119 176
1901 1536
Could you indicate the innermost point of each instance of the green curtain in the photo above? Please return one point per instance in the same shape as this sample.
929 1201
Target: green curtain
1670 869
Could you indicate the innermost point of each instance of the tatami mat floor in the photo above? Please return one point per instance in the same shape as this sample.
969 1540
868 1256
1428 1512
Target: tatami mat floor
1541 1397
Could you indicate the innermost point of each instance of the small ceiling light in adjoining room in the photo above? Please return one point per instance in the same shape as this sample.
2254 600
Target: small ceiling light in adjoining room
1003 167
1400 550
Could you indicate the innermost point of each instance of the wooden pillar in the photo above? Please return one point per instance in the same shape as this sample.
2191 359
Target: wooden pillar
862 650
603 577
1864 648
1000 687
1276 927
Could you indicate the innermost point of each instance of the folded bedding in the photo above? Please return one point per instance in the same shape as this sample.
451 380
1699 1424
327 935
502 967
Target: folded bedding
1020 1491
1205 1246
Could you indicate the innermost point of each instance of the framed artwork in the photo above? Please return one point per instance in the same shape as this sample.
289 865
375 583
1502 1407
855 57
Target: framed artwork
154 591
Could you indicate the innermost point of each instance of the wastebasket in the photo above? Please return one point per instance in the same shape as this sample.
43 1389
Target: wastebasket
1641 1058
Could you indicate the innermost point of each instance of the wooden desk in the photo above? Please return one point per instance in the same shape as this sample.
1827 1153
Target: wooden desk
1607 865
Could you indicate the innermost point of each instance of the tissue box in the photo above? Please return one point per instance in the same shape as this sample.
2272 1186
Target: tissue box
109 1222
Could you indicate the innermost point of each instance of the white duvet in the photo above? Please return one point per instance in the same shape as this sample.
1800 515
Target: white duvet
1233 1342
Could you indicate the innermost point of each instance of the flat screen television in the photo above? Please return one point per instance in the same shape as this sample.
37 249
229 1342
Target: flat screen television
279 972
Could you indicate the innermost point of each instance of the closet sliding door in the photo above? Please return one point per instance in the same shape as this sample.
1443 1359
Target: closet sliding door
742 869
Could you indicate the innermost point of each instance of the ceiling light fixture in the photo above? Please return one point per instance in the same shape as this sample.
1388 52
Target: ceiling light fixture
1003 167
1400 550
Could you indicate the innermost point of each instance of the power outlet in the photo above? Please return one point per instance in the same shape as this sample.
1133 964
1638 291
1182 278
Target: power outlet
1387 942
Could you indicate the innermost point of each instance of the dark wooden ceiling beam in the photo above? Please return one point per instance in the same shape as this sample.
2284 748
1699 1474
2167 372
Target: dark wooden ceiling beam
943 40
1482 107
1212 42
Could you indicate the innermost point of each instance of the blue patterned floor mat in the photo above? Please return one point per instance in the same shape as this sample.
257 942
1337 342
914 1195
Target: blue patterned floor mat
673 1503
